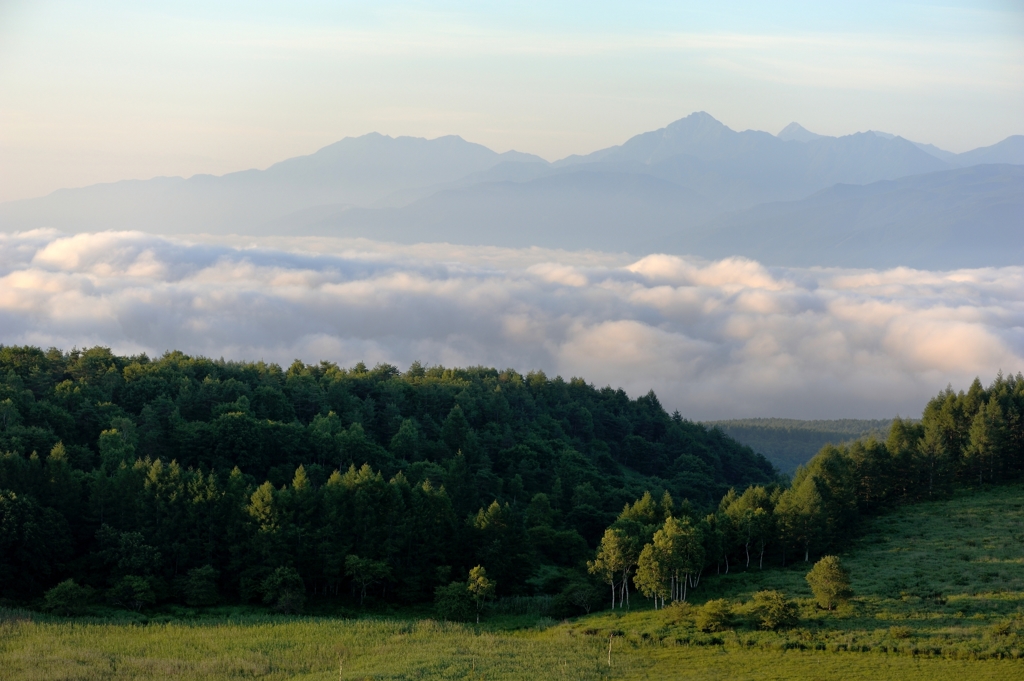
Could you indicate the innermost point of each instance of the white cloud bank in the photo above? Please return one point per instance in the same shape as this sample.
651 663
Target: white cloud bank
714 339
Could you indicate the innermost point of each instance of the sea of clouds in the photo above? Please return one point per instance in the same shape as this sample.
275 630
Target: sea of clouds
723 339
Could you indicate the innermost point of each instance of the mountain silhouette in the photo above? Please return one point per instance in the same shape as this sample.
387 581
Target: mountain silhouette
694 186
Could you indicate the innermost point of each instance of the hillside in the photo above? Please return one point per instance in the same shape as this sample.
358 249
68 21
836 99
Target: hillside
114 469
932 580
789 443
158 520
937 586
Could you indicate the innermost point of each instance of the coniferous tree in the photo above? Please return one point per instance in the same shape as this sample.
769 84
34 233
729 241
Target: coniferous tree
801 514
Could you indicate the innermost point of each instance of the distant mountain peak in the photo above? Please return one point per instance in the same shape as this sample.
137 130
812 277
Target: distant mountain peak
698 120
702 116
697 130
794 132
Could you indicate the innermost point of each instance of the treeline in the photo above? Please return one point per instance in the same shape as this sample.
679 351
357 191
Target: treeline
962 438
199 481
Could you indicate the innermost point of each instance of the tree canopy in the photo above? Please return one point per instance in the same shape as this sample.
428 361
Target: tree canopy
203 480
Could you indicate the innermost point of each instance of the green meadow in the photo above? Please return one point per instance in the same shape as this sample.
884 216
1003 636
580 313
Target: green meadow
939 594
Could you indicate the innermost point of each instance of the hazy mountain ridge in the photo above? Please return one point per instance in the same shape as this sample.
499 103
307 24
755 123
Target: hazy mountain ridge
1009 150
523 214
677 189
967 217
359 170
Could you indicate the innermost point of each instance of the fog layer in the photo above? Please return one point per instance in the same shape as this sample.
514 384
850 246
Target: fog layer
722 339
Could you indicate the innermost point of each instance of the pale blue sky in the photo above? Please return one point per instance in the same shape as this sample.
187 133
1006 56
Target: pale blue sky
107 90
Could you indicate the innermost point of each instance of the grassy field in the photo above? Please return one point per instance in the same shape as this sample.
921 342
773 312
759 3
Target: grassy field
295 649
939 595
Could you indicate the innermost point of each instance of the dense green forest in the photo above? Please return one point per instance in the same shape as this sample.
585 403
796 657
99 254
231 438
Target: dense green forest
182 479
790 443
190 479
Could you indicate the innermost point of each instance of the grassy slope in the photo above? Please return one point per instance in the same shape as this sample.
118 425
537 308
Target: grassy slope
936 585
944 580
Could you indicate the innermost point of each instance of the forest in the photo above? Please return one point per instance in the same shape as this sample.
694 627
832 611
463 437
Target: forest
187 479
138 482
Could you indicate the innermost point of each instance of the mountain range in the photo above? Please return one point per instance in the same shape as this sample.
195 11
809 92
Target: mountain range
870 199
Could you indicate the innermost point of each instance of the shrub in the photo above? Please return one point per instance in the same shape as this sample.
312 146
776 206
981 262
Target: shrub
576 599
67 598
899 632
1000 629
285 590
453 602
830 582
561 608
200 586
132 592
773 610
713 615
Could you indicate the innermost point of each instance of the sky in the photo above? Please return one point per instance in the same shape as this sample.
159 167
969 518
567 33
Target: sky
106 90
723 339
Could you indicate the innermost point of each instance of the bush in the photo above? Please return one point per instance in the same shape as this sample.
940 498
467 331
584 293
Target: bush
577 598
773 610
453 602
999 629
200 587
285 590
67 598
713 616
830 582
132 592
561 608
900 632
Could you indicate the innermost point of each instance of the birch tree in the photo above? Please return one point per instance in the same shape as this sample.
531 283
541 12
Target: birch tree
611 560
653 573
480 588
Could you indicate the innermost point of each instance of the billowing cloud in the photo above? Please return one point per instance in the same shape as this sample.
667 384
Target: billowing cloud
713 339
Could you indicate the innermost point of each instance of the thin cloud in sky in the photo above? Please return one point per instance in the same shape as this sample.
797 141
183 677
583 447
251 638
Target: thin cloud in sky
718 339
834 60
